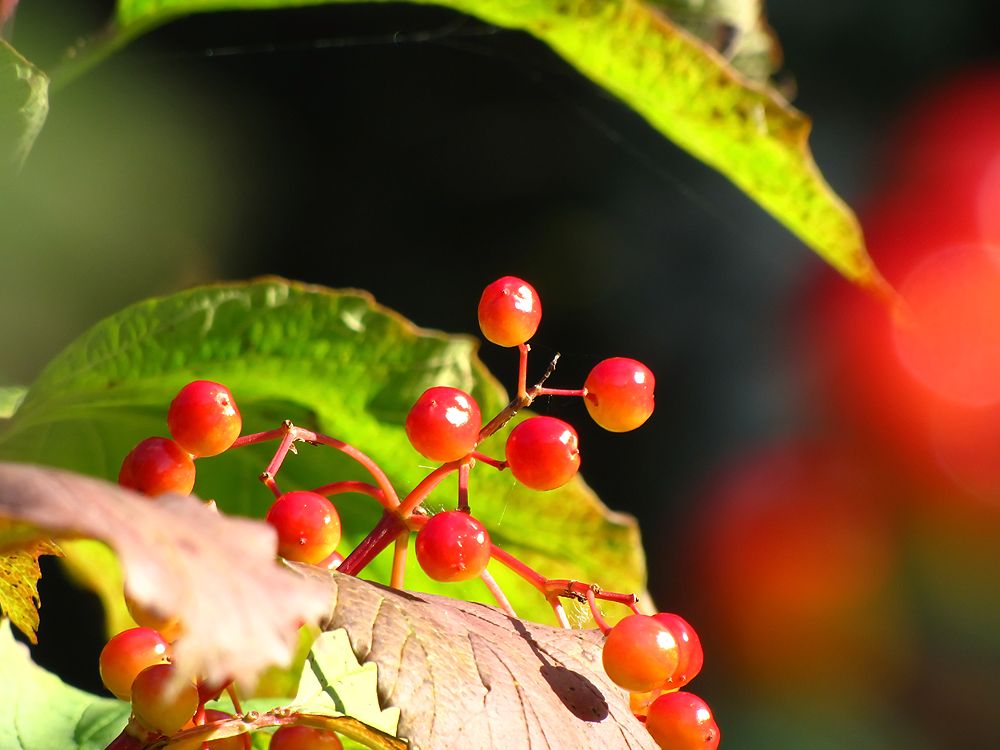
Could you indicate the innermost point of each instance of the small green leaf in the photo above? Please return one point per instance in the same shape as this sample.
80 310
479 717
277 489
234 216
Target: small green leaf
24 103
19 574
10 399
332 361
679 83
334 683
40 712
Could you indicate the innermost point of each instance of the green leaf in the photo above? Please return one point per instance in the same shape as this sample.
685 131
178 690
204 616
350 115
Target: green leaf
24 103
334 684
680 84
19 574
332 361
40 712
10 399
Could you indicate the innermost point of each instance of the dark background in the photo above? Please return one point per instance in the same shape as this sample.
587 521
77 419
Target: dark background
420 154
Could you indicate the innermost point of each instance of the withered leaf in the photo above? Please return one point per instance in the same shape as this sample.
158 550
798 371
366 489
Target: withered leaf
468 676
241 610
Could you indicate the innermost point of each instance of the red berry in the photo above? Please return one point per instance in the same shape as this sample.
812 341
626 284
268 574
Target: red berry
203 418
308 526
509 311
453 546
158 465
127 654
543 453
639 654
159 702
640 702
690 656
168 627
619 394
443 425
304 738
682 721
331 561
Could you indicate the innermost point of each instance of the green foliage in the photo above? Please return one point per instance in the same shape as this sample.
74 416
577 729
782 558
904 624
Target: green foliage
680 81
680 84
333 683
331 361
40 712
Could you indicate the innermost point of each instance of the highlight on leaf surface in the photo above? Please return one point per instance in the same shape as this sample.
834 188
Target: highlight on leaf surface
40 712
331 360
468 675
165 549
683 82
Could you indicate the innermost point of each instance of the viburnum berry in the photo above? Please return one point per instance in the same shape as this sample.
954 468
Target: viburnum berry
203 418
509 311
304 738
453 546
682 721
158 465
639 654
619 393
308 526
543 453
331 561
127 654
690 656
639 702
159 702
168 627
443 424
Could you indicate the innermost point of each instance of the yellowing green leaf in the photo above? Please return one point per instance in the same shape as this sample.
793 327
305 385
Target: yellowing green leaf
19 574
683 86
334 683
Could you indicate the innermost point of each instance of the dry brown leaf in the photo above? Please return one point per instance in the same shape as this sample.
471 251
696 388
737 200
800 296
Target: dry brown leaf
467 676
241 609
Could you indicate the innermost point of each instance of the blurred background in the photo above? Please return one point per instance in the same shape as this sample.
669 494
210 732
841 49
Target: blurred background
819 488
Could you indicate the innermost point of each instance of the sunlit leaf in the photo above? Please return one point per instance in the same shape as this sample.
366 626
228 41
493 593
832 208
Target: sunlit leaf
466 675
240 610
19 574
332 361
40 712
334 683
681 84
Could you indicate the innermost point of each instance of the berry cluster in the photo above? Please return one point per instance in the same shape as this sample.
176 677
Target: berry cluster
651 656
136 666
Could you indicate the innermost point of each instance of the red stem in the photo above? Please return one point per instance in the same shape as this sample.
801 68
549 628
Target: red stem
596 612
384 533
560 392
419 493
494 588
522 371
494 462
398 577
463 487
350 485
